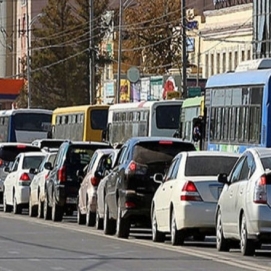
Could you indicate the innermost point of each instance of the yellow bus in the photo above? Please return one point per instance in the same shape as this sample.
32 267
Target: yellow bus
80 123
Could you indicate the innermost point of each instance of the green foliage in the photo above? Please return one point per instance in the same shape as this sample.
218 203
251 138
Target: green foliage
153 28
60 53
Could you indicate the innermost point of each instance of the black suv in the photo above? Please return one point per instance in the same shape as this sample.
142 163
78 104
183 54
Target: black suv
61 189
130 186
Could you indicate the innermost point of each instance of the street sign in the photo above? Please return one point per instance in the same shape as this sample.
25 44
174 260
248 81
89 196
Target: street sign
193 92
133 74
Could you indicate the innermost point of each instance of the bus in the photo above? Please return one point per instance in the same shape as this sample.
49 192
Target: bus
80 123
24 125
146 118
192 110
238 111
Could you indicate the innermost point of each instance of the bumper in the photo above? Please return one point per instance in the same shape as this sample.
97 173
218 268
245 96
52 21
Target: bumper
22 195
200 215
66 196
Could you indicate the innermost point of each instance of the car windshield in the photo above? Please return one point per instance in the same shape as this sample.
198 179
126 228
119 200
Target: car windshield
32 161
209 165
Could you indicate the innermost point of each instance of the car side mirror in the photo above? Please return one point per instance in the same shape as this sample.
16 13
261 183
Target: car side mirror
33 170
158 177
6 169
98 174
48 166
222 178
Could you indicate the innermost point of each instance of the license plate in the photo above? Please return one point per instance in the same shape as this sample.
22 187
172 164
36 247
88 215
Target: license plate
71 200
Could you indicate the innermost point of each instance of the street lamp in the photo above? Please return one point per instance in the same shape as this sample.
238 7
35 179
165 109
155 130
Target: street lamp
28 37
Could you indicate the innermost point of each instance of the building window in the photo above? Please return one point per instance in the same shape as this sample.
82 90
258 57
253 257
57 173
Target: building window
230 61
207 65
107 72
224 62
212 64
235 59
248 55
218 63
243 55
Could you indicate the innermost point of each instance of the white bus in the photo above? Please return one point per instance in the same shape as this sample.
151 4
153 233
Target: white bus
146 118
24 125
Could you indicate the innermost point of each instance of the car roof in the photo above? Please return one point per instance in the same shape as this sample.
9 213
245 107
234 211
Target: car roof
87 143
261 151
105 151
212 153
157 138
33 153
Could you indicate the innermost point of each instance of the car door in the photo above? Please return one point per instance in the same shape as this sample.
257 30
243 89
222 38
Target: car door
10 181
35 182
228 201
163 198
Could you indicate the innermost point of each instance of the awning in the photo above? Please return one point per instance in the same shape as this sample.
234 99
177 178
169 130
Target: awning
10 88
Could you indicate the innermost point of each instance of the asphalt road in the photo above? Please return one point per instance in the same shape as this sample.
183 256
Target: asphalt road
31 244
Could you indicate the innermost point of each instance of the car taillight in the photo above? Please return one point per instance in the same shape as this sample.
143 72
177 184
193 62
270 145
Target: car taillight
165 142
24 177
136 168
129 204
61 174
46 176
260 194
190 192
94 181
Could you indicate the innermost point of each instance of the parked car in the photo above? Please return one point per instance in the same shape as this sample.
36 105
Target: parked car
8 152
16 185
130 186
185 202
243 214
101 191
36 193
87 194
62 185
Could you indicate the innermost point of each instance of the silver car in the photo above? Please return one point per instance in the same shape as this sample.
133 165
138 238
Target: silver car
243 214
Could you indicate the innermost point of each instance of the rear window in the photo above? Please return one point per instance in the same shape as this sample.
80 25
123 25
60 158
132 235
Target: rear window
208 165
162 151
266 162
8 153
99 119
55 144
32 161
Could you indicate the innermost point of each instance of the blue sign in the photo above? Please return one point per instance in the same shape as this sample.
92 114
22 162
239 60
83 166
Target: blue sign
190 25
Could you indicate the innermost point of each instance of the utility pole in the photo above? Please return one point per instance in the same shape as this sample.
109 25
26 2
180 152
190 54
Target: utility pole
92 85
198 58
184 75
28 56
119 53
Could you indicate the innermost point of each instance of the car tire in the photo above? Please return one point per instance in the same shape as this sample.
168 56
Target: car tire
47 210
123 224
177 236
247 245
17 209
6 208
40 209
98 222
157 236
32 210
90 217
221 243
57 211
109 224
81 219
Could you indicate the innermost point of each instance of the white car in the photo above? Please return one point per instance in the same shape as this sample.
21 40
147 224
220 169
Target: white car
101 192
16 185
37 192
243 215
87 194
185 202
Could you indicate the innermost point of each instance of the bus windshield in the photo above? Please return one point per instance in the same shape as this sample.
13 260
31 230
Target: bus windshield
167 117
31 122
98 119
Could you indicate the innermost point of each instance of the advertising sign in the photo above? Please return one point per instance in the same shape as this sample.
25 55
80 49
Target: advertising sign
109 92
156 88
125 91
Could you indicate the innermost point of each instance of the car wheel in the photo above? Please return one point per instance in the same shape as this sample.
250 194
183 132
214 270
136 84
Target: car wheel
17 209
177 236
99 222
40 209
109 224
247 245
90 217
32 210
57 211
123 224
6 208
47 210
157 236
221 243
81 219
